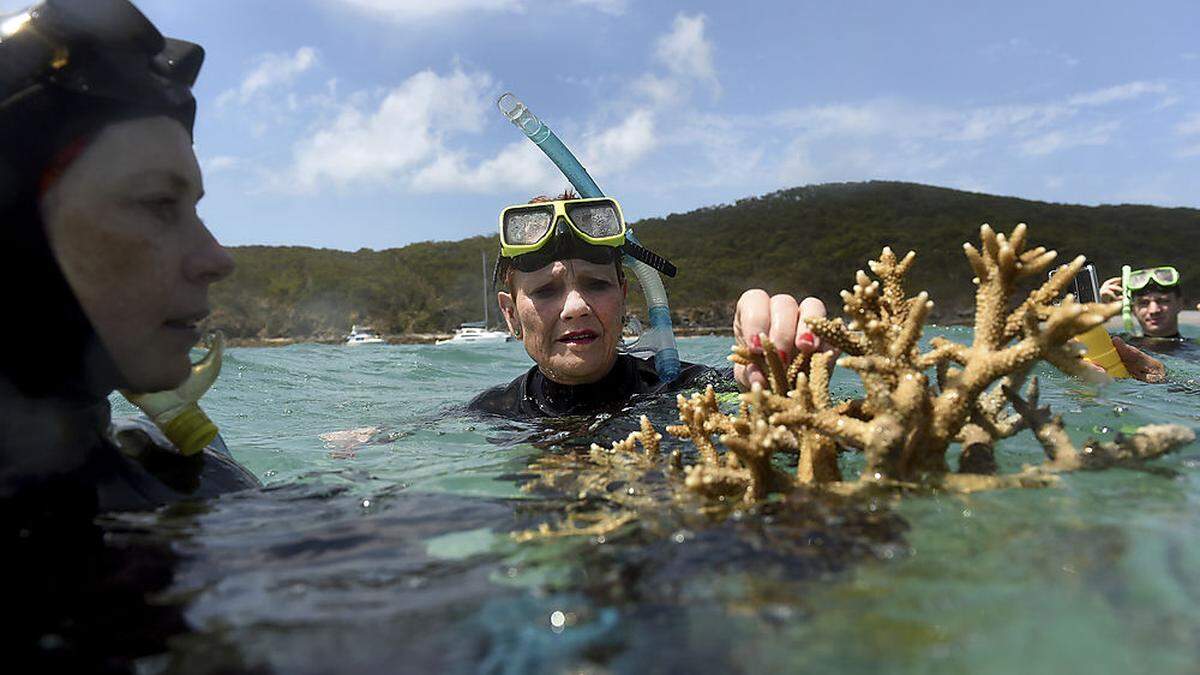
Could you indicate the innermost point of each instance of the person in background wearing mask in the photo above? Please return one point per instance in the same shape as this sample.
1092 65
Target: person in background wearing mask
1155 298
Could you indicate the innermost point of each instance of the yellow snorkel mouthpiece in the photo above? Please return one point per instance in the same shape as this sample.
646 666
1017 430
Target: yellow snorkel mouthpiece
177 412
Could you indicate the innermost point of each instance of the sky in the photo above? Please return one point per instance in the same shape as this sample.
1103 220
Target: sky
372 123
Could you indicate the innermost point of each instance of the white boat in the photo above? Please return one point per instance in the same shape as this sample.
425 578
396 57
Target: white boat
363 336
476 332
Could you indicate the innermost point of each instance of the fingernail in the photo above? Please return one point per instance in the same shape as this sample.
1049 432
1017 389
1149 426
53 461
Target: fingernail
756 342
807 341
782 355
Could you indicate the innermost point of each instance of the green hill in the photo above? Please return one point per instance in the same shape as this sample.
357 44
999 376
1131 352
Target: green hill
806 240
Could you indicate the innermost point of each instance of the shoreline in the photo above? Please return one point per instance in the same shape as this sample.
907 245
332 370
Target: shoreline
1114 325
425 338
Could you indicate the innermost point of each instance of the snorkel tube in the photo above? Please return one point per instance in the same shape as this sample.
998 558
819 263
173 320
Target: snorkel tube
660 339
1127 300
177 412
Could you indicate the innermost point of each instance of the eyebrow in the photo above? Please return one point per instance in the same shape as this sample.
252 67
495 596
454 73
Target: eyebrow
177 180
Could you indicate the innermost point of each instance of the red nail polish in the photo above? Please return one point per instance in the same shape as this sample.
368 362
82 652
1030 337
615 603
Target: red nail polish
782 355
807 341
756 342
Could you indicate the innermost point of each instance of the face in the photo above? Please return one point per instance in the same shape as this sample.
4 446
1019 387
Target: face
569 314
1158 313
122 223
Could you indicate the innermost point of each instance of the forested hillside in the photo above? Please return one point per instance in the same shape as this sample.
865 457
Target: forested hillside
802 240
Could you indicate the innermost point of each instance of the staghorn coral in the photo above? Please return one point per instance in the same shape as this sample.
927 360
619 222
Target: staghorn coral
907 420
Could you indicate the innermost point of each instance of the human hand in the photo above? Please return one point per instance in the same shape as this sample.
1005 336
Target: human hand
1110 290
1140 365
781 318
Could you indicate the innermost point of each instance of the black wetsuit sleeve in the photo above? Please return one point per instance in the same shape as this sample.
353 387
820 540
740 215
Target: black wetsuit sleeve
505 400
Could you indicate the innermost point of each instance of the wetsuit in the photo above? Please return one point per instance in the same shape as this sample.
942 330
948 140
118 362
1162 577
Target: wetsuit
1174 345
76 589
535 395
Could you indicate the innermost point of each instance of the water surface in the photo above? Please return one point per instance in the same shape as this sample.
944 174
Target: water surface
396 555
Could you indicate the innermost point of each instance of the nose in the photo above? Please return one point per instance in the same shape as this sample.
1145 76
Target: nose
208 262
575 306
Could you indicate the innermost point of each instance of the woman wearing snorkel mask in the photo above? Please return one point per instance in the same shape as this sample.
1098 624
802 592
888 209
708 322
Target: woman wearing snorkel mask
563 296
108 265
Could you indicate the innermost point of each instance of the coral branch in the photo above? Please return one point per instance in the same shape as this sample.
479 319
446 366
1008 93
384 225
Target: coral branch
903 424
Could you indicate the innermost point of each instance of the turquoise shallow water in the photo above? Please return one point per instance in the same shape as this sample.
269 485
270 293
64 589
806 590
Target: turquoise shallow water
396 555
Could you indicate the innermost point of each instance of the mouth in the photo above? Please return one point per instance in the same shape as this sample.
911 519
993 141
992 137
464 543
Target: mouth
187 323
579 337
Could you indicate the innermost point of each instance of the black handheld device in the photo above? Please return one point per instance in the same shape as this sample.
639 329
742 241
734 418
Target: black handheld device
1085 286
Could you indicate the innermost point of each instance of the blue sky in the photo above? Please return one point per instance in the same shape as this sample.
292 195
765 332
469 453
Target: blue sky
371 123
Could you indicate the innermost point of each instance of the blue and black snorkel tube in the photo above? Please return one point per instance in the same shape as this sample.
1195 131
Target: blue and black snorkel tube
660 339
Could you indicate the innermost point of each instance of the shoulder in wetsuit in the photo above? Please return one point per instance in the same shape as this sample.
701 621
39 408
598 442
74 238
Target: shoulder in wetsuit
1176 346
534 395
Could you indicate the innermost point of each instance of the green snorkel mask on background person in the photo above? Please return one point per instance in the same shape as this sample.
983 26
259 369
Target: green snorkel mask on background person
535 235
1133 280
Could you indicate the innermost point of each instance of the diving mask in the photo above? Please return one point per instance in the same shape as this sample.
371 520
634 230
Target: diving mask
100 48
535 235
1165 276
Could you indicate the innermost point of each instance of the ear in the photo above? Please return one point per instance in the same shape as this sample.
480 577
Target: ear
508 307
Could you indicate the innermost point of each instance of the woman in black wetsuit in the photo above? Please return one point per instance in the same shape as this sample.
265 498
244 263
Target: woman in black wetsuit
107 266
565 301
106 274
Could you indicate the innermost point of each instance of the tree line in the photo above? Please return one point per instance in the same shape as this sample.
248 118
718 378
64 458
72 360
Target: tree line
804 240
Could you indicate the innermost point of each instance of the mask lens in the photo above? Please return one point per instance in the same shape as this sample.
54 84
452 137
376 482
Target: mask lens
526 226
597 219
1138 279
1166 276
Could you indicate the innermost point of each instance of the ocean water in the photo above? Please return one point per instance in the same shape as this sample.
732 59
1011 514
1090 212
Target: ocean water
396 555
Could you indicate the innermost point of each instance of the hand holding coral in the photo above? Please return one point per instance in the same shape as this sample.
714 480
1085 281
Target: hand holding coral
781 319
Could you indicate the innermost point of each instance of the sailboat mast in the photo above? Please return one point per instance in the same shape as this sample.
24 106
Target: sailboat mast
483 254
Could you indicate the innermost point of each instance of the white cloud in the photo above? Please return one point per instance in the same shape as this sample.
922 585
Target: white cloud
614 7
1035 129
620 147
410 10
407 130
1061 139
518 166
1121 92
687 53
901 119
219 164
271 70
1190 126
660 91
1019 47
